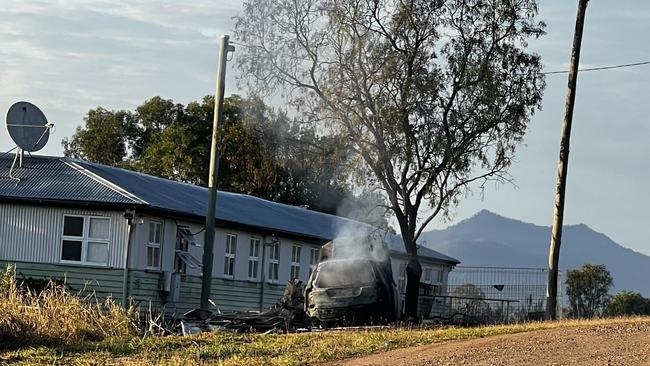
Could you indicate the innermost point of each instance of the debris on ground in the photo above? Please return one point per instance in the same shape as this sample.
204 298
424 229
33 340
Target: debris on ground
287 315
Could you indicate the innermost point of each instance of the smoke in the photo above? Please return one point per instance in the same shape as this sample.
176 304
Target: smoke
356 243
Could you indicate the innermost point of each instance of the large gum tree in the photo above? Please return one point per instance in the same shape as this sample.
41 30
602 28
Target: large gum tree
431 96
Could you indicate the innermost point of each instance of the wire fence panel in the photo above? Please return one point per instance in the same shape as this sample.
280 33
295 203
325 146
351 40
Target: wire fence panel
488 295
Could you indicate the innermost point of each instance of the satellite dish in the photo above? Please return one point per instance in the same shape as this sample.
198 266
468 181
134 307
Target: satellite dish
27 126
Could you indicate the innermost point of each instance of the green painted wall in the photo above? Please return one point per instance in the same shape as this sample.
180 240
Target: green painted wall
144 287
228 295
104 282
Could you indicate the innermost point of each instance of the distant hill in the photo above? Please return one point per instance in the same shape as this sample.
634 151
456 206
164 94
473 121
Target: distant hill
488 239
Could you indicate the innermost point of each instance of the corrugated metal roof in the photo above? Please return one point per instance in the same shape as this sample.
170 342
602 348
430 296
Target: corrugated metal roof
53 179
59 179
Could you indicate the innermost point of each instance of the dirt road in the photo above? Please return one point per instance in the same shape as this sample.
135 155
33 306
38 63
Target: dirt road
613 344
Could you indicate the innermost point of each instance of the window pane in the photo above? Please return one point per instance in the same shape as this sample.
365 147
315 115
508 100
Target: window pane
153 257
252 269
97 252
155 232
71 250
152 234
158 227
98 228
73 226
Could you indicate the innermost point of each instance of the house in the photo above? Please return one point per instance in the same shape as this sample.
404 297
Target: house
130 235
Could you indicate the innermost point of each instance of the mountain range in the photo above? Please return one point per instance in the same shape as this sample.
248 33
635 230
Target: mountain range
488 239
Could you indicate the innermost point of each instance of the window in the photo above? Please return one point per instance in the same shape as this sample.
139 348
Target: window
85 239
183 258
229 257
426 276
154 244
253 258
314 256
274 262
295 262
401 278
438 276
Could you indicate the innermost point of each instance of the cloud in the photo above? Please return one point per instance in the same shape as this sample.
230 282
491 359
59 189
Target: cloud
68 56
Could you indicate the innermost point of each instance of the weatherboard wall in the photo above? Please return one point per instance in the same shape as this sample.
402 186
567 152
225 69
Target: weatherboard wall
31 233
86 281
170 227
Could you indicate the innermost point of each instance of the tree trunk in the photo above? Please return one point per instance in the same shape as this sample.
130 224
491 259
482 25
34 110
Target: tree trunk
413 274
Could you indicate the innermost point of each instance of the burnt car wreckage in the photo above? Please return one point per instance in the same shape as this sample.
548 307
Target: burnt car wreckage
351 285
351 289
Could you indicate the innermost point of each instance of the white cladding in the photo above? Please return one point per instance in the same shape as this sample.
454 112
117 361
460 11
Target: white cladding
242 251
33 233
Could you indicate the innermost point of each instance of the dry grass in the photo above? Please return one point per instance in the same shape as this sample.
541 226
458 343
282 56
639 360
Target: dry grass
257 349
58 327
57 317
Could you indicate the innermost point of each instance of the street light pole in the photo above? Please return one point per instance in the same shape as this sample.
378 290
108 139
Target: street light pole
215 155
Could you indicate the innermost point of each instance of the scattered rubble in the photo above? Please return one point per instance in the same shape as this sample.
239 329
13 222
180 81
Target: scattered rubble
287 315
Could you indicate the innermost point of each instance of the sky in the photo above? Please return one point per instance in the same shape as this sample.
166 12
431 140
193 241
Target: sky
69 56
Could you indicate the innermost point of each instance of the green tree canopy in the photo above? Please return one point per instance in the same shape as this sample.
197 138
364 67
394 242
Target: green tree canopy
264 153
627 303
588 290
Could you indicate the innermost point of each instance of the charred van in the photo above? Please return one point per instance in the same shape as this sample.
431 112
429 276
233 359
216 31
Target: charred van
351 290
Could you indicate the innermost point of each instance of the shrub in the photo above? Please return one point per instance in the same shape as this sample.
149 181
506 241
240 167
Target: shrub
55 316
628 303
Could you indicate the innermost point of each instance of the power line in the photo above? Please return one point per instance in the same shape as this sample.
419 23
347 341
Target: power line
599 68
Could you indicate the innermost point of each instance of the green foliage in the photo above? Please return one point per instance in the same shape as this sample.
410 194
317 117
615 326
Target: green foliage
588 290
102 140
263 152
627 303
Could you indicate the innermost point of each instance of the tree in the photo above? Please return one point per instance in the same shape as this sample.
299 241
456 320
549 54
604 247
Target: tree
103 140
588 290
264 153
429 96
627 303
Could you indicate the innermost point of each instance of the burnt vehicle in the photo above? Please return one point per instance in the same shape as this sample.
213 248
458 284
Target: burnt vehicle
347 290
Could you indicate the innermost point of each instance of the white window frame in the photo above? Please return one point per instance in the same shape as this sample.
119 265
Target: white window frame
230 250
153 245
296 253
314 256
427 279
85 239
254 245
274 262
439 274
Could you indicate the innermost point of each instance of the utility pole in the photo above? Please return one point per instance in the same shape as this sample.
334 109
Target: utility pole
563 165
215 155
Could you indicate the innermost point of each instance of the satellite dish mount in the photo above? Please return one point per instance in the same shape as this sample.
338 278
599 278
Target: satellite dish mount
28 128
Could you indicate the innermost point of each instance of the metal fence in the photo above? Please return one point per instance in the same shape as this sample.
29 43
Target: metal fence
489 295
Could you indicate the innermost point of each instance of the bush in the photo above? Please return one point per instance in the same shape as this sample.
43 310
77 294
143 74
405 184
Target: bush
55 316
628 303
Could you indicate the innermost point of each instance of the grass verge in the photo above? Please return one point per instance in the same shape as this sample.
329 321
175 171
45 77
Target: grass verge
53 316
256 349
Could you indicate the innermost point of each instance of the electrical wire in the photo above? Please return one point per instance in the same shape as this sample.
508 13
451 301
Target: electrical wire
598 68
557 72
